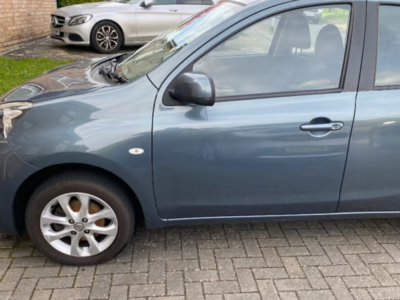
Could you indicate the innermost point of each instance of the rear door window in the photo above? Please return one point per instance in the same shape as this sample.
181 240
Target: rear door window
388 60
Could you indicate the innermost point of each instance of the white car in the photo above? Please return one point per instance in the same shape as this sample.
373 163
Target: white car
107 26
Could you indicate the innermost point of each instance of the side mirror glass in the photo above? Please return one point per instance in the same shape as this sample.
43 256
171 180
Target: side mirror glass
148 3
196 88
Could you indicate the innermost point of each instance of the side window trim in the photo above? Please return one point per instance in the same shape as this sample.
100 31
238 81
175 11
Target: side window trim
381 87
368 66
293 93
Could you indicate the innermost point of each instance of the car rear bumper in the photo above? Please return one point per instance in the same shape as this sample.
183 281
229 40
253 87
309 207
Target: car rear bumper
13 172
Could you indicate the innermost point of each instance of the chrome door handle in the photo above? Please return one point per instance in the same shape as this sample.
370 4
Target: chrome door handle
173 10
334 126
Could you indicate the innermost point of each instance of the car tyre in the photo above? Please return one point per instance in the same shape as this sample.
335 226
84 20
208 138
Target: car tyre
106 197
106 38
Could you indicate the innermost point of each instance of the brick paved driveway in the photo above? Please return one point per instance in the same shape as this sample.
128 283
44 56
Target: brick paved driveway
323 260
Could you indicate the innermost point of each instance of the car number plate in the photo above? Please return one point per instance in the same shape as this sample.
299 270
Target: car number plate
56 31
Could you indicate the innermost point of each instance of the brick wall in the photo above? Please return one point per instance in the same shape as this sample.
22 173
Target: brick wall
23 20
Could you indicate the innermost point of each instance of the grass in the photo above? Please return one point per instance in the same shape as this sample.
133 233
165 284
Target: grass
14 72
338 15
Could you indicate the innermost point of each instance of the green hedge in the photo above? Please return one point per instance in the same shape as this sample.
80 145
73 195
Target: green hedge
73 2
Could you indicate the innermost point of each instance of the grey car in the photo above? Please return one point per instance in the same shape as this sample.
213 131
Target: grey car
107 26
245 112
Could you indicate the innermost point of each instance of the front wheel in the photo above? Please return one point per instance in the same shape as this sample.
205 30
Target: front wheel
106 38
80 218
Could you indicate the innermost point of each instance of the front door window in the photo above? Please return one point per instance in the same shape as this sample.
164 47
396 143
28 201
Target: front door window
298 50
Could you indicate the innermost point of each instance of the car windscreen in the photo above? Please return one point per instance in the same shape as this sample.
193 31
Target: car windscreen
163 47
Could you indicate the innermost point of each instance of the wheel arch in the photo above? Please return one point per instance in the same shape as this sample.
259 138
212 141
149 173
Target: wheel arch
31 183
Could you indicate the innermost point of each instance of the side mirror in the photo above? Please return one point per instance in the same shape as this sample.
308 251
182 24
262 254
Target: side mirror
148 3
196 88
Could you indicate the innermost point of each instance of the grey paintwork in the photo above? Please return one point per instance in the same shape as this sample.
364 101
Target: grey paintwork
95 129
139 24
371 181
13 171
373 171
250 157
238 160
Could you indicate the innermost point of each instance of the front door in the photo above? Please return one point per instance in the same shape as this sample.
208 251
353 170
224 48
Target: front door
156 19
276 141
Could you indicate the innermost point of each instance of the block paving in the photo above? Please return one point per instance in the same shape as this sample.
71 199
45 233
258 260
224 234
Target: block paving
321 260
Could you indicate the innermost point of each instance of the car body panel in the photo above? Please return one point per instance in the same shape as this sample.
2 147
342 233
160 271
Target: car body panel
372 178
91 8
121 14
91 129
213 132
371 181
250 157
210 143
152 21
68 80
13 171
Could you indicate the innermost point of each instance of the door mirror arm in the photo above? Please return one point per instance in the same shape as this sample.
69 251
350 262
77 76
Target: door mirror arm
148 3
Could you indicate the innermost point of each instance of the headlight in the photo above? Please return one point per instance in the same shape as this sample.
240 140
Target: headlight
77 20
11 113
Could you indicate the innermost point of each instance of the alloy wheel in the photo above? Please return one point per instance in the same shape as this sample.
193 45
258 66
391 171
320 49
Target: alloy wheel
107 38
79 224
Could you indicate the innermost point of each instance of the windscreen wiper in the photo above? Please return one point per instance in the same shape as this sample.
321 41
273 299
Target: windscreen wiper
110 71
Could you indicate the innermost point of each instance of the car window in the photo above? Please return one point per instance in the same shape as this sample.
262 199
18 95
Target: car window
173 40
165 2
191 2
388 62
197 2
298 50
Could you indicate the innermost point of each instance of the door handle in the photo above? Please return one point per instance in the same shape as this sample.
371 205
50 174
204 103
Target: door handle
173 10
333 126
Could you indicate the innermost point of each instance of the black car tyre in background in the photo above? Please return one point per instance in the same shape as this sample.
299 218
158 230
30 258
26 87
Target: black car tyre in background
106 38
80 218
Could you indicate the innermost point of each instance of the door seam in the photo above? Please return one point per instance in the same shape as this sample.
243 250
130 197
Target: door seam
355 106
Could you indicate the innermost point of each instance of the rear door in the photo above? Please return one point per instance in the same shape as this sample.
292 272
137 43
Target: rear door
190 7
372 177
156 19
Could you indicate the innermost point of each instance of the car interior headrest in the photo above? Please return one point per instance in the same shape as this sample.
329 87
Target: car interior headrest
329 44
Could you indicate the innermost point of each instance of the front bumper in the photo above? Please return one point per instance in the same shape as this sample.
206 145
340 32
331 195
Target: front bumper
13 172
70 34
